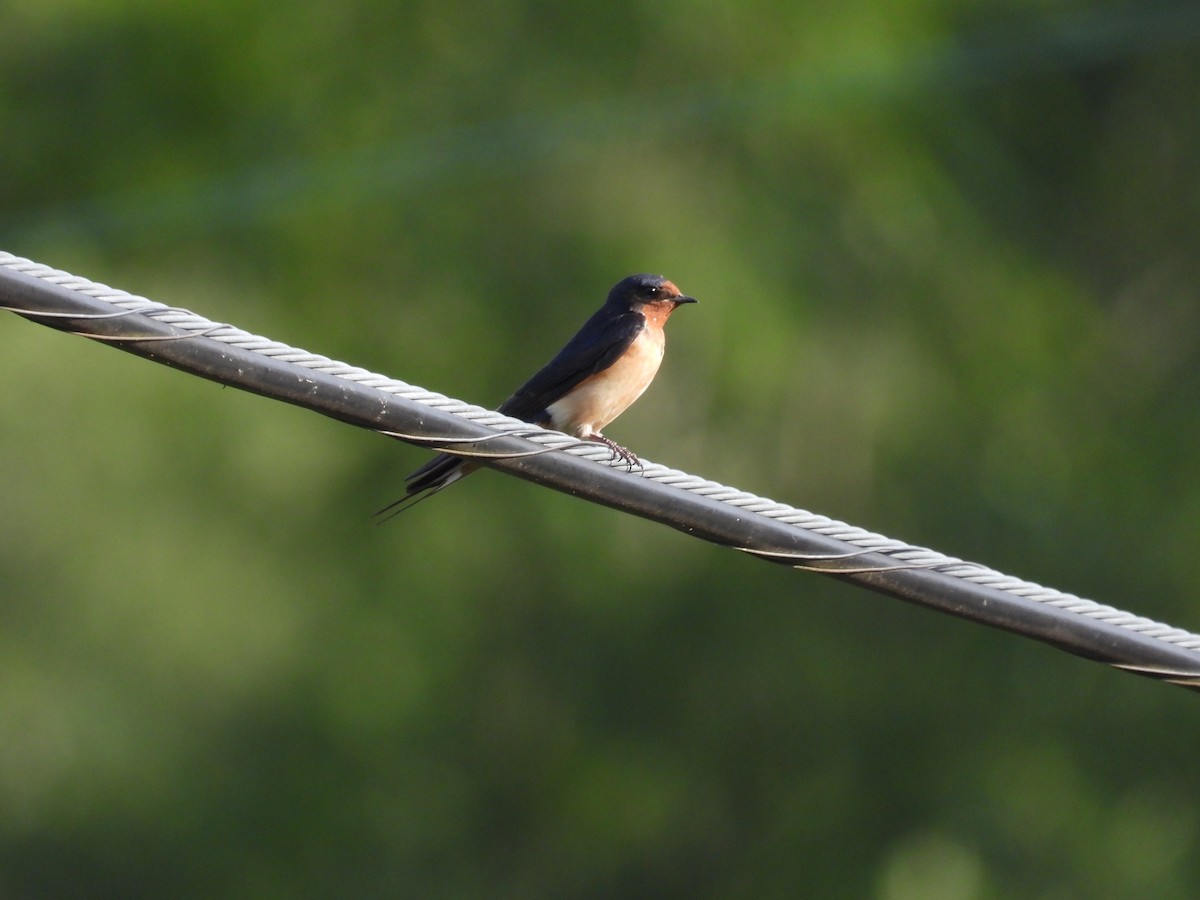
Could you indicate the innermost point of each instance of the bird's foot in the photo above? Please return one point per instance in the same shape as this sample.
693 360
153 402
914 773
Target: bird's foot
624 454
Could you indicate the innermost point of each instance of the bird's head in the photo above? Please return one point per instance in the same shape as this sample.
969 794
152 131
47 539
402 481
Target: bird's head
640 291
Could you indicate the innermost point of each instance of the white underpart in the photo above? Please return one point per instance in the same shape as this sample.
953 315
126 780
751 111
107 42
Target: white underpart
598 400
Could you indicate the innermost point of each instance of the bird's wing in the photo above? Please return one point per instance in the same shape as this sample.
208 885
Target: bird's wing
599 344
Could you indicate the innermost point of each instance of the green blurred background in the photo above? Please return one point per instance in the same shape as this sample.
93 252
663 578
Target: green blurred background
947 257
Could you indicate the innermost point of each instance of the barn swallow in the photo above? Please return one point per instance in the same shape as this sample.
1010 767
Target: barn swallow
591 381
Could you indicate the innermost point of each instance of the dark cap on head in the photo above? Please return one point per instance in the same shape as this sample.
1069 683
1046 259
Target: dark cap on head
638 290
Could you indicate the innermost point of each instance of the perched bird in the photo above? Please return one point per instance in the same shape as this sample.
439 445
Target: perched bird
594 378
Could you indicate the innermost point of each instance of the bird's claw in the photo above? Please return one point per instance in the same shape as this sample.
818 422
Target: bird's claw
624 454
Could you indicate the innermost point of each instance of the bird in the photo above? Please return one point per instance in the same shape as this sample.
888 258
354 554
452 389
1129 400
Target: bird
600 372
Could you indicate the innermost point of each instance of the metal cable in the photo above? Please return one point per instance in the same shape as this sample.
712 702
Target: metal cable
774 531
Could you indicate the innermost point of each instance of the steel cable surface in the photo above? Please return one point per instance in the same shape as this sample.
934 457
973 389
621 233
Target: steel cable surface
764 528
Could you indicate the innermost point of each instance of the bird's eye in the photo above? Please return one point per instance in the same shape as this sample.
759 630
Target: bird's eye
653 290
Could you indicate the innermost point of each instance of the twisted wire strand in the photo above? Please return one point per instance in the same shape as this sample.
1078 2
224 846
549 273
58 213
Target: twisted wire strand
905 556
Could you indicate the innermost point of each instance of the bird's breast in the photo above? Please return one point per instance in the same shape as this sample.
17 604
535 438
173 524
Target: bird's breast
600 398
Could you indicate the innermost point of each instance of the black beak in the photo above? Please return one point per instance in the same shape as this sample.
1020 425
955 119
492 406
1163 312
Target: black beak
681 299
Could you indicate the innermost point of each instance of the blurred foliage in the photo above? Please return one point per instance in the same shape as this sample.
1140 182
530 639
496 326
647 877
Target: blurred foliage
946 254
